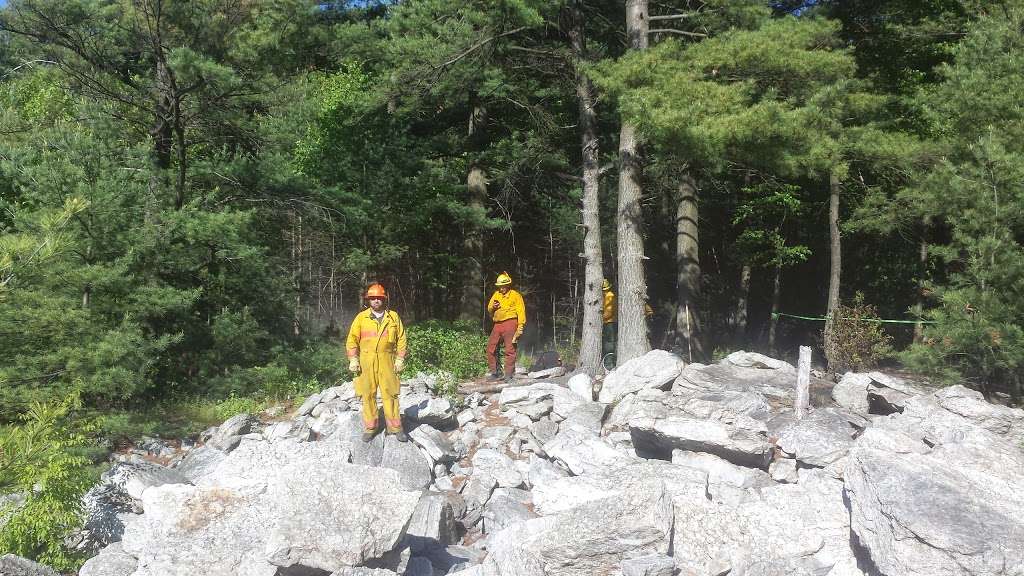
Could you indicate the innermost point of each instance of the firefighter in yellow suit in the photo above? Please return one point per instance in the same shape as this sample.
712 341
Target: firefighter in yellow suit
376 348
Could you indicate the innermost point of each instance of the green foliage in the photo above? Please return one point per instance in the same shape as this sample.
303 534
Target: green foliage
977 191
454 347
39 458
857 341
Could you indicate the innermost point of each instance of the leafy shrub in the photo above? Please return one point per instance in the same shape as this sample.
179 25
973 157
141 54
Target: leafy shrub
40 459
454 347
857 341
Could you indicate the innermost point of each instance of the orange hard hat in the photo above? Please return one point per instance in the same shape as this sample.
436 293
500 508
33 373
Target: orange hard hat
376 291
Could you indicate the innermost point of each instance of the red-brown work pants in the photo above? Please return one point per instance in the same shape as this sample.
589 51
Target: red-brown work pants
503 330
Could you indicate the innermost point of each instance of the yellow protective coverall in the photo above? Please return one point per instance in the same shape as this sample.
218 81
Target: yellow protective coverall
377 343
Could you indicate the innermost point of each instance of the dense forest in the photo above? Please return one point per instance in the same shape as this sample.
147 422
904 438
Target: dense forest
195 195
192 191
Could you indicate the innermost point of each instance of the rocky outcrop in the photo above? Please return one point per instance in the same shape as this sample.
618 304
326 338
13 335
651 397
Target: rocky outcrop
670 470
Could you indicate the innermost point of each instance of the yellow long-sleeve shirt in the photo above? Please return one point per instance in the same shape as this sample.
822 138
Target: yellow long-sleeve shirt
608 307
370 336
510 305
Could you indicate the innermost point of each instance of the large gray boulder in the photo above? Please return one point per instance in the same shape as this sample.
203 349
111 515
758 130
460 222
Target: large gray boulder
199 462
11 565
821 438
270 506
932 492
434 443
656 369
432 524
505 507
582 451
593 538
793 523
741 372
971 405
497 466
728 424
413 467
868 393
229 434
437 412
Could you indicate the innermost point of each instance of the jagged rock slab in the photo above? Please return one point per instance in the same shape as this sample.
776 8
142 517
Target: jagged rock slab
432 524
582 451
505 507
656 369
592 538
135 477
497 466
782 522
728 424
11 565
229 434
543 471
720 470
583 386
298 429
587 416
309 404
821 438
108 509
776 379
269 506
413 467
434 443
736 445
873 393
932 492
561 494
437 412
970 404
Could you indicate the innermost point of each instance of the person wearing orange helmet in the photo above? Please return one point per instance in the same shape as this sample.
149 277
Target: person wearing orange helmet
508 311
376 348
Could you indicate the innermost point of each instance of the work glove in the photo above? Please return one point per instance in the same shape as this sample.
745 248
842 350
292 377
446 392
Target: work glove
519 332
399 364
353 365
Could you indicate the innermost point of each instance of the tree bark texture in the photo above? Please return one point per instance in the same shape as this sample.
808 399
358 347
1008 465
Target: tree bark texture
590 338
688 270
773 319
632 325
835 262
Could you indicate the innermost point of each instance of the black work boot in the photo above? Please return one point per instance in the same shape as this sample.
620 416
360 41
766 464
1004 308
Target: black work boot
401 436
368 435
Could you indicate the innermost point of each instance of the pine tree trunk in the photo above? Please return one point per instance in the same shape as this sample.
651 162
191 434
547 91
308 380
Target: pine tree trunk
739 335
773 321
590 337
632 325
923 262
688 270
835 263
471 306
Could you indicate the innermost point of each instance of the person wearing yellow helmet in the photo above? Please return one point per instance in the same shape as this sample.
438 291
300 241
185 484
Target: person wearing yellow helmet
376 348
608 318
508 312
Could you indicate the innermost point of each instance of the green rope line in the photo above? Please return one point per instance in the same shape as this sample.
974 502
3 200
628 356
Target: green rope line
777 314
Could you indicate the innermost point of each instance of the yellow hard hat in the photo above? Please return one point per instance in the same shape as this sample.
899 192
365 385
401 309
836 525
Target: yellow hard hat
503 279
606 285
